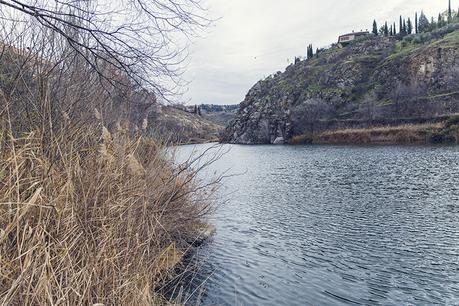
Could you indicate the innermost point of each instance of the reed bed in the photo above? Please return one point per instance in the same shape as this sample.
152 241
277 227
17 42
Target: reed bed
401 134
106 220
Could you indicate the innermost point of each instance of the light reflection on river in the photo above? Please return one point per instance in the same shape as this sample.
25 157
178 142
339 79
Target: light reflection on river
332 225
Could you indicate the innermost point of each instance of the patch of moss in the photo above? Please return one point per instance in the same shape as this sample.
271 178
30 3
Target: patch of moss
386 102
314 88
453 120
401 50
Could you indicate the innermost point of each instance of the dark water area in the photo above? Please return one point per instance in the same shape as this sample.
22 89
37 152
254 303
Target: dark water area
334 225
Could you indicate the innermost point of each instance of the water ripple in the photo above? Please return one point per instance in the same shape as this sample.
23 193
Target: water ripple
336 226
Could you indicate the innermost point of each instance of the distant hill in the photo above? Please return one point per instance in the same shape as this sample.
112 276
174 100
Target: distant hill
181 126
219 114
372 81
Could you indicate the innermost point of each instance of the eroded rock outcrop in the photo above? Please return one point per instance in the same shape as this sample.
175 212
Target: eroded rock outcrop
371 80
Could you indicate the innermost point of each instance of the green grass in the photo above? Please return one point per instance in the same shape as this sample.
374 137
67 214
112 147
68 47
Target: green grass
401 50
386 102
449 41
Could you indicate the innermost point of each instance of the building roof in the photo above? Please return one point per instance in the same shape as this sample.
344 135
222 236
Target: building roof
355 33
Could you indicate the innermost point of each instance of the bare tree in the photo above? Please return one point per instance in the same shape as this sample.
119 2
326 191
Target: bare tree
405 97
306 116
140 38
369 106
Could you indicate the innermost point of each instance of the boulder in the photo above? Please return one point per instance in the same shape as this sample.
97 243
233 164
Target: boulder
279 141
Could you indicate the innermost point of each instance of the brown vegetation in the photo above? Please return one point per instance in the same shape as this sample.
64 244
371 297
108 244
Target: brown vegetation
403 134
91 210
182 127
101 223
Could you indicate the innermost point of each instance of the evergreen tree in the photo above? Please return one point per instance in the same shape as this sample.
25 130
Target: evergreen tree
416 23
199 111
401 26
310 52
409 26
375 28
405 31
440 21
450 13
386 29
432 24
395 29
195 109
423 23
391 31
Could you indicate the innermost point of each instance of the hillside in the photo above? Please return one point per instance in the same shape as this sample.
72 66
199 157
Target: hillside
374 81
219 114
180 126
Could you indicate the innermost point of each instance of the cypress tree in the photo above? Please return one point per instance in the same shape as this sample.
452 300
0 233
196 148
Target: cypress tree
409 26
375 28
423 23
440 21
310 52
405 31
386 29
416 23
450 13
401 26
395 29
391 32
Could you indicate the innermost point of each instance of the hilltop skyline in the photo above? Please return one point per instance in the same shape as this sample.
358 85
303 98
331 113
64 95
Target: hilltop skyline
251 40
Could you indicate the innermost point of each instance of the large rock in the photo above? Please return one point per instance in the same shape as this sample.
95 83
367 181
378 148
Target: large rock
372 80
279 140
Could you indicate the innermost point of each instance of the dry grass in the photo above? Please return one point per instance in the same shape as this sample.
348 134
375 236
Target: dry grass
92 219
300 139
407 134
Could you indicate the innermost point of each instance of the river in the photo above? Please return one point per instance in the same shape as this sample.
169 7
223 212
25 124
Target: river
333 225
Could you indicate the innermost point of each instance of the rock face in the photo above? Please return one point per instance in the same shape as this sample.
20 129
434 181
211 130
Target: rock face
219 114
373 79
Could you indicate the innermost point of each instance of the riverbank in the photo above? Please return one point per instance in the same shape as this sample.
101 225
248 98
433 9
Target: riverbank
429 133
94 217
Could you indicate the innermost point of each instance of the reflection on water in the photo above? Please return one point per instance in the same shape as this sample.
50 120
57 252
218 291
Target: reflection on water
334 225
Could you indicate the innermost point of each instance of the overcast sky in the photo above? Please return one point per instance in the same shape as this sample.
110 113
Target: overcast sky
255 38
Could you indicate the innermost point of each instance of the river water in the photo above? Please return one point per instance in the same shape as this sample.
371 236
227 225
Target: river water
333 225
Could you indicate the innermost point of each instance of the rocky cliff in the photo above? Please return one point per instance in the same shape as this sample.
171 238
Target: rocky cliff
219 114
373 80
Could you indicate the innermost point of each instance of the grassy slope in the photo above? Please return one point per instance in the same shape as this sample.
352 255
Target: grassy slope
183 127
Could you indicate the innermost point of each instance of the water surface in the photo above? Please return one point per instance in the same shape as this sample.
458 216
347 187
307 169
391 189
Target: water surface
334 225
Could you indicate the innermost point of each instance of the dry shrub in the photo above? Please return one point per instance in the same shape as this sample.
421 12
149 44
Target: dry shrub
300 139
105 220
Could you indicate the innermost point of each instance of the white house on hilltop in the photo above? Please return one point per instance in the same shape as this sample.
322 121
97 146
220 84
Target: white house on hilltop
347 38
